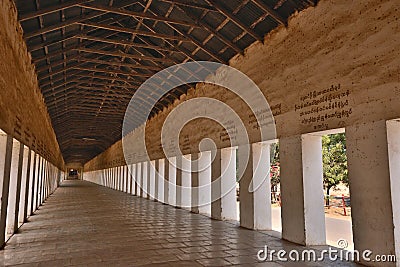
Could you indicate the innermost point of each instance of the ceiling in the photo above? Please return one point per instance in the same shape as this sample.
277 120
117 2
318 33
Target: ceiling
92 55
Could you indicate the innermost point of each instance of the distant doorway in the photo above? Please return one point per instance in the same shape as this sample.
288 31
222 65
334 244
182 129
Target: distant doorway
73 174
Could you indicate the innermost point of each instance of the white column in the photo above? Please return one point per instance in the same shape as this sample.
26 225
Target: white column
166 181
6 148
15 187
152 177
216 172
161 181
186 183
139 178
195 182
228 183
156 178
133 179
179 181
31 182
293 222
172 181
223 188
145 177
123 179
23 203
204 183
370 187
313 180
128 180
393 136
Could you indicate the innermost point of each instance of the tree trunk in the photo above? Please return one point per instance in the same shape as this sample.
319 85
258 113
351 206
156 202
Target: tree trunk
328 189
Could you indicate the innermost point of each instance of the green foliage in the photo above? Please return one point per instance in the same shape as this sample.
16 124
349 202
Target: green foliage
334 160
275 171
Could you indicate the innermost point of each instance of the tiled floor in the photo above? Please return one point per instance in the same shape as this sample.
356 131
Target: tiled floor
85 224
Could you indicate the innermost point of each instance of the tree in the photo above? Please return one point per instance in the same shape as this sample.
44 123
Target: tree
275 170
334 161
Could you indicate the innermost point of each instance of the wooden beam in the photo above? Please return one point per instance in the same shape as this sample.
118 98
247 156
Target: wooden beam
63 24
132 31
234 19
51 9
213 31
112 63
120 54
64 69
130 74
278 18
58 62
125 12
191 5
101 77
125 43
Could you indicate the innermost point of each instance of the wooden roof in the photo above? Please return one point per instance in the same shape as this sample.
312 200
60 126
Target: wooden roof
91 55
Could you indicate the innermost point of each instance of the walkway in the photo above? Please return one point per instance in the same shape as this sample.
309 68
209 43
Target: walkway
89 225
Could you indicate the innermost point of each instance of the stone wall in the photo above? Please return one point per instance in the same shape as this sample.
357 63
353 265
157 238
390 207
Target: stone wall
23 113
334 65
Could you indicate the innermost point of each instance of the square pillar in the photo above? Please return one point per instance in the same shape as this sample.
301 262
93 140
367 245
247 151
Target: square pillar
186 182
128 180
370 186
31 183
204 183
166 181
216 172
120 178
139 178
32 197
161 180
195 183
313 186
393 136
228 183
183 181
24 186
133 179
178 181
152 179
172 181
6 149
223 176
15 187
145 177
156 178
303 217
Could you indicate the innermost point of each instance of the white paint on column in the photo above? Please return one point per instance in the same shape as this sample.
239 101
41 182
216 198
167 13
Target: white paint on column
314 214
12 197
31 180
370 189
204 189
24 178
393 136
139 178
172 181
186 187
228 184
133 178
161 180
152 181
262 186
145 174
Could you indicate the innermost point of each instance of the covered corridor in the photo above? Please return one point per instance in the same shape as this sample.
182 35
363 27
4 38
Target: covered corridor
199 132
90 225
